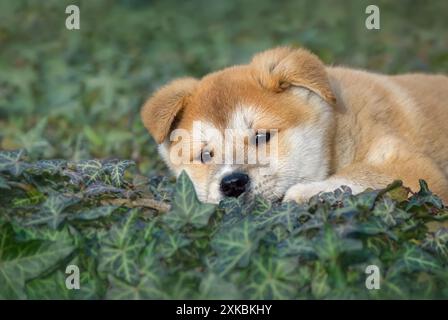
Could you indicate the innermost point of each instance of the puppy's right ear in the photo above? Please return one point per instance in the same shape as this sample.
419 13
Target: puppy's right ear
161 110
280 68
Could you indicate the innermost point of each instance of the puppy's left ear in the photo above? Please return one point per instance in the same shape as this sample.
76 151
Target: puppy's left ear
280 68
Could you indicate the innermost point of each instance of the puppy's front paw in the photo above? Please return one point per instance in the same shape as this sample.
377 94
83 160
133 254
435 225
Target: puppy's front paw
301 193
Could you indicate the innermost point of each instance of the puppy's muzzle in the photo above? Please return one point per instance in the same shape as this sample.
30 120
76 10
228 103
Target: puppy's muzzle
234 184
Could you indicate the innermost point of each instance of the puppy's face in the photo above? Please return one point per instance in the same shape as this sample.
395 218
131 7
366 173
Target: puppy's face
253 129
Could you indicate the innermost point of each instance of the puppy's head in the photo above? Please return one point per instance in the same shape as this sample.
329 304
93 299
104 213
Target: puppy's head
251 129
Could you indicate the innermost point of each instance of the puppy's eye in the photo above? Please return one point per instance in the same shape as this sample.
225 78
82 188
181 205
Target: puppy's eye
262 137
206 156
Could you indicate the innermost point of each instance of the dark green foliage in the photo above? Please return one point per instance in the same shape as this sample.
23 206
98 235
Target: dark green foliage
186 208
72 96
254 250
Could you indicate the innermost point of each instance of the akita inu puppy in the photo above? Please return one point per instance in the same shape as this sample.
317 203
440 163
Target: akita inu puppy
332 126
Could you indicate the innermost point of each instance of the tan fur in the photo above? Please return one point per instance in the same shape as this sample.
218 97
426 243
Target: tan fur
391 127
159 113
373 128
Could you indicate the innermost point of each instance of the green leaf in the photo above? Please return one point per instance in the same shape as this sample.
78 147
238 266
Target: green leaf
413 259
373 226
330 245
144 289
424 196
320 286
52 211
53 287
363 201
437 242
186 208
50 288
20 261
216 288
297 247
91 170
120 250
147 283
11 162
287 215
169 243
387 211
91 287
272 278
232 206
47 166
235 245
116 169
26 233
260 206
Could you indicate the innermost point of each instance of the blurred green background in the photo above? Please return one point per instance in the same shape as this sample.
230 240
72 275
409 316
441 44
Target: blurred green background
77 94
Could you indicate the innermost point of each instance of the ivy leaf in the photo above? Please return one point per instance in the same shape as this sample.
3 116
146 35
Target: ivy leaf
20 261
297 247
40 167
183 286
232 206
169 243
361 202
424 196
52 211
159 186
373 226
92 287
91 170
186 208
329 246
235 245
384 209
287 215
216 288
272 278
120 250
11 162
320 286
233 211
335 197
413 259
260 206
74 178
145 288
53 287
49 288
437 242
116 169
25 233
149 283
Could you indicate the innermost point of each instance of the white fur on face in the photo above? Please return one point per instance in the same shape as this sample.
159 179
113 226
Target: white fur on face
307 157
302 152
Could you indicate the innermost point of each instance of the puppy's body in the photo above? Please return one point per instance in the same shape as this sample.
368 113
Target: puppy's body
336 126
386 127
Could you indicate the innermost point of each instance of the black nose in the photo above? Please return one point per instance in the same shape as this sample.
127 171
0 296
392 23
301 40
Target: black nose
234 184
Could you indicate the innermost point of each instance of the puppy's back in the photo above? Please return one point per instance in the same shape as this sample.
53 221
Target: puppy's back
412 106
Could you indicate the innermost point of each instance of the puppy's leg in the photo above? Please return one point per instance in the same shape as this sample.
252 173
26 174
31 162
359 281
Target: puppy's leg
357 181
362 176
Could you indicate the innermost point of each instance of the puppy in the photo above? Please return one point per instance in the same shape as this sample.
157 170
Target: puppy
320 127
